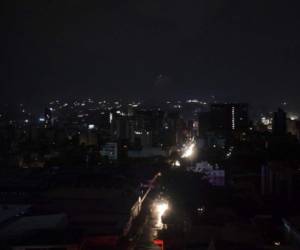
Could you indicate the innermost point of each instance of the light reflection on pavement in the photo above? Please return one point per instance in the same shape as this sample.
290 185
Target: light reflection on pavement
150 231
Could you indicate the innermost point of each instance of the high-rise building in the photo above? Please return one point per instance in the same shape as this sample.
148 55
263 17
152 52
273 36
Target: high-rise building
144 128
229 117
279 122
204 123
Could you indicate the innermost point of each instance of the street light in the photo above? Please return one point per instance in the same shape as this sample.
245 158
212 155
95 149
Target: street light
176 163
160 209
188 151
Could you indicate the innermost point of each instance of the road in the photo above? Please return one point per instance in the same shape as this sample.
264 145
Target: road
145 225
148 233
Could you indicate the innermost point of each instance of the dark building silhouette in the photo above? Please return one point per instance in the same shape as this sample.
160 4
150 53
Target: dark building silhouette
279 122
281 179
229 117
142 128
204 123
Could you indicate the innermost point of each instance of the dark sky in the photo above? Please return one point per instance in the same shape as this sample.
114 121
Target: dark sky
239 50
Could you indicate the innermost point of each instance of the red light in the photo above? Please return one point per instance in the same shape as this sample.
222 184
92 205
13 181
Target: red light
159 243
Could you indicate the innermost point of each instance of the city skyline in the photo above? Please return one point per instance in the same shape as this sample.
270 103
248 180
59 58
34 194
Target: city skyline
149 124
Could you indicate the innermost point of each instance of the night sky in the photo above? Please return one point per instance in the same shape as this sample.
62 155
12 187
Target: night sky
236 50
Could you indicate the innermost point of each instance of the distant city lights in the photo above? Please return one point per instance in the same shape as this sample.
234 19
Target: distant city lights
266 121
91 126
293 117
177 106
192 101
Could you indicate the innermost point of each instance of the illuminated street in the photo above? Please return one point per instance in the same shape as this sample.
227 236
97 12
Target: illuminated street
151 227
188 150
148 124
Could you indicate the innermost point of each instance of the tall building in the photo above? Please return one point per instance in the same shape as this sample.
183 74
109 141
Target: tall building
229 117
174 129
204 123
279 122
122 127
144 128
